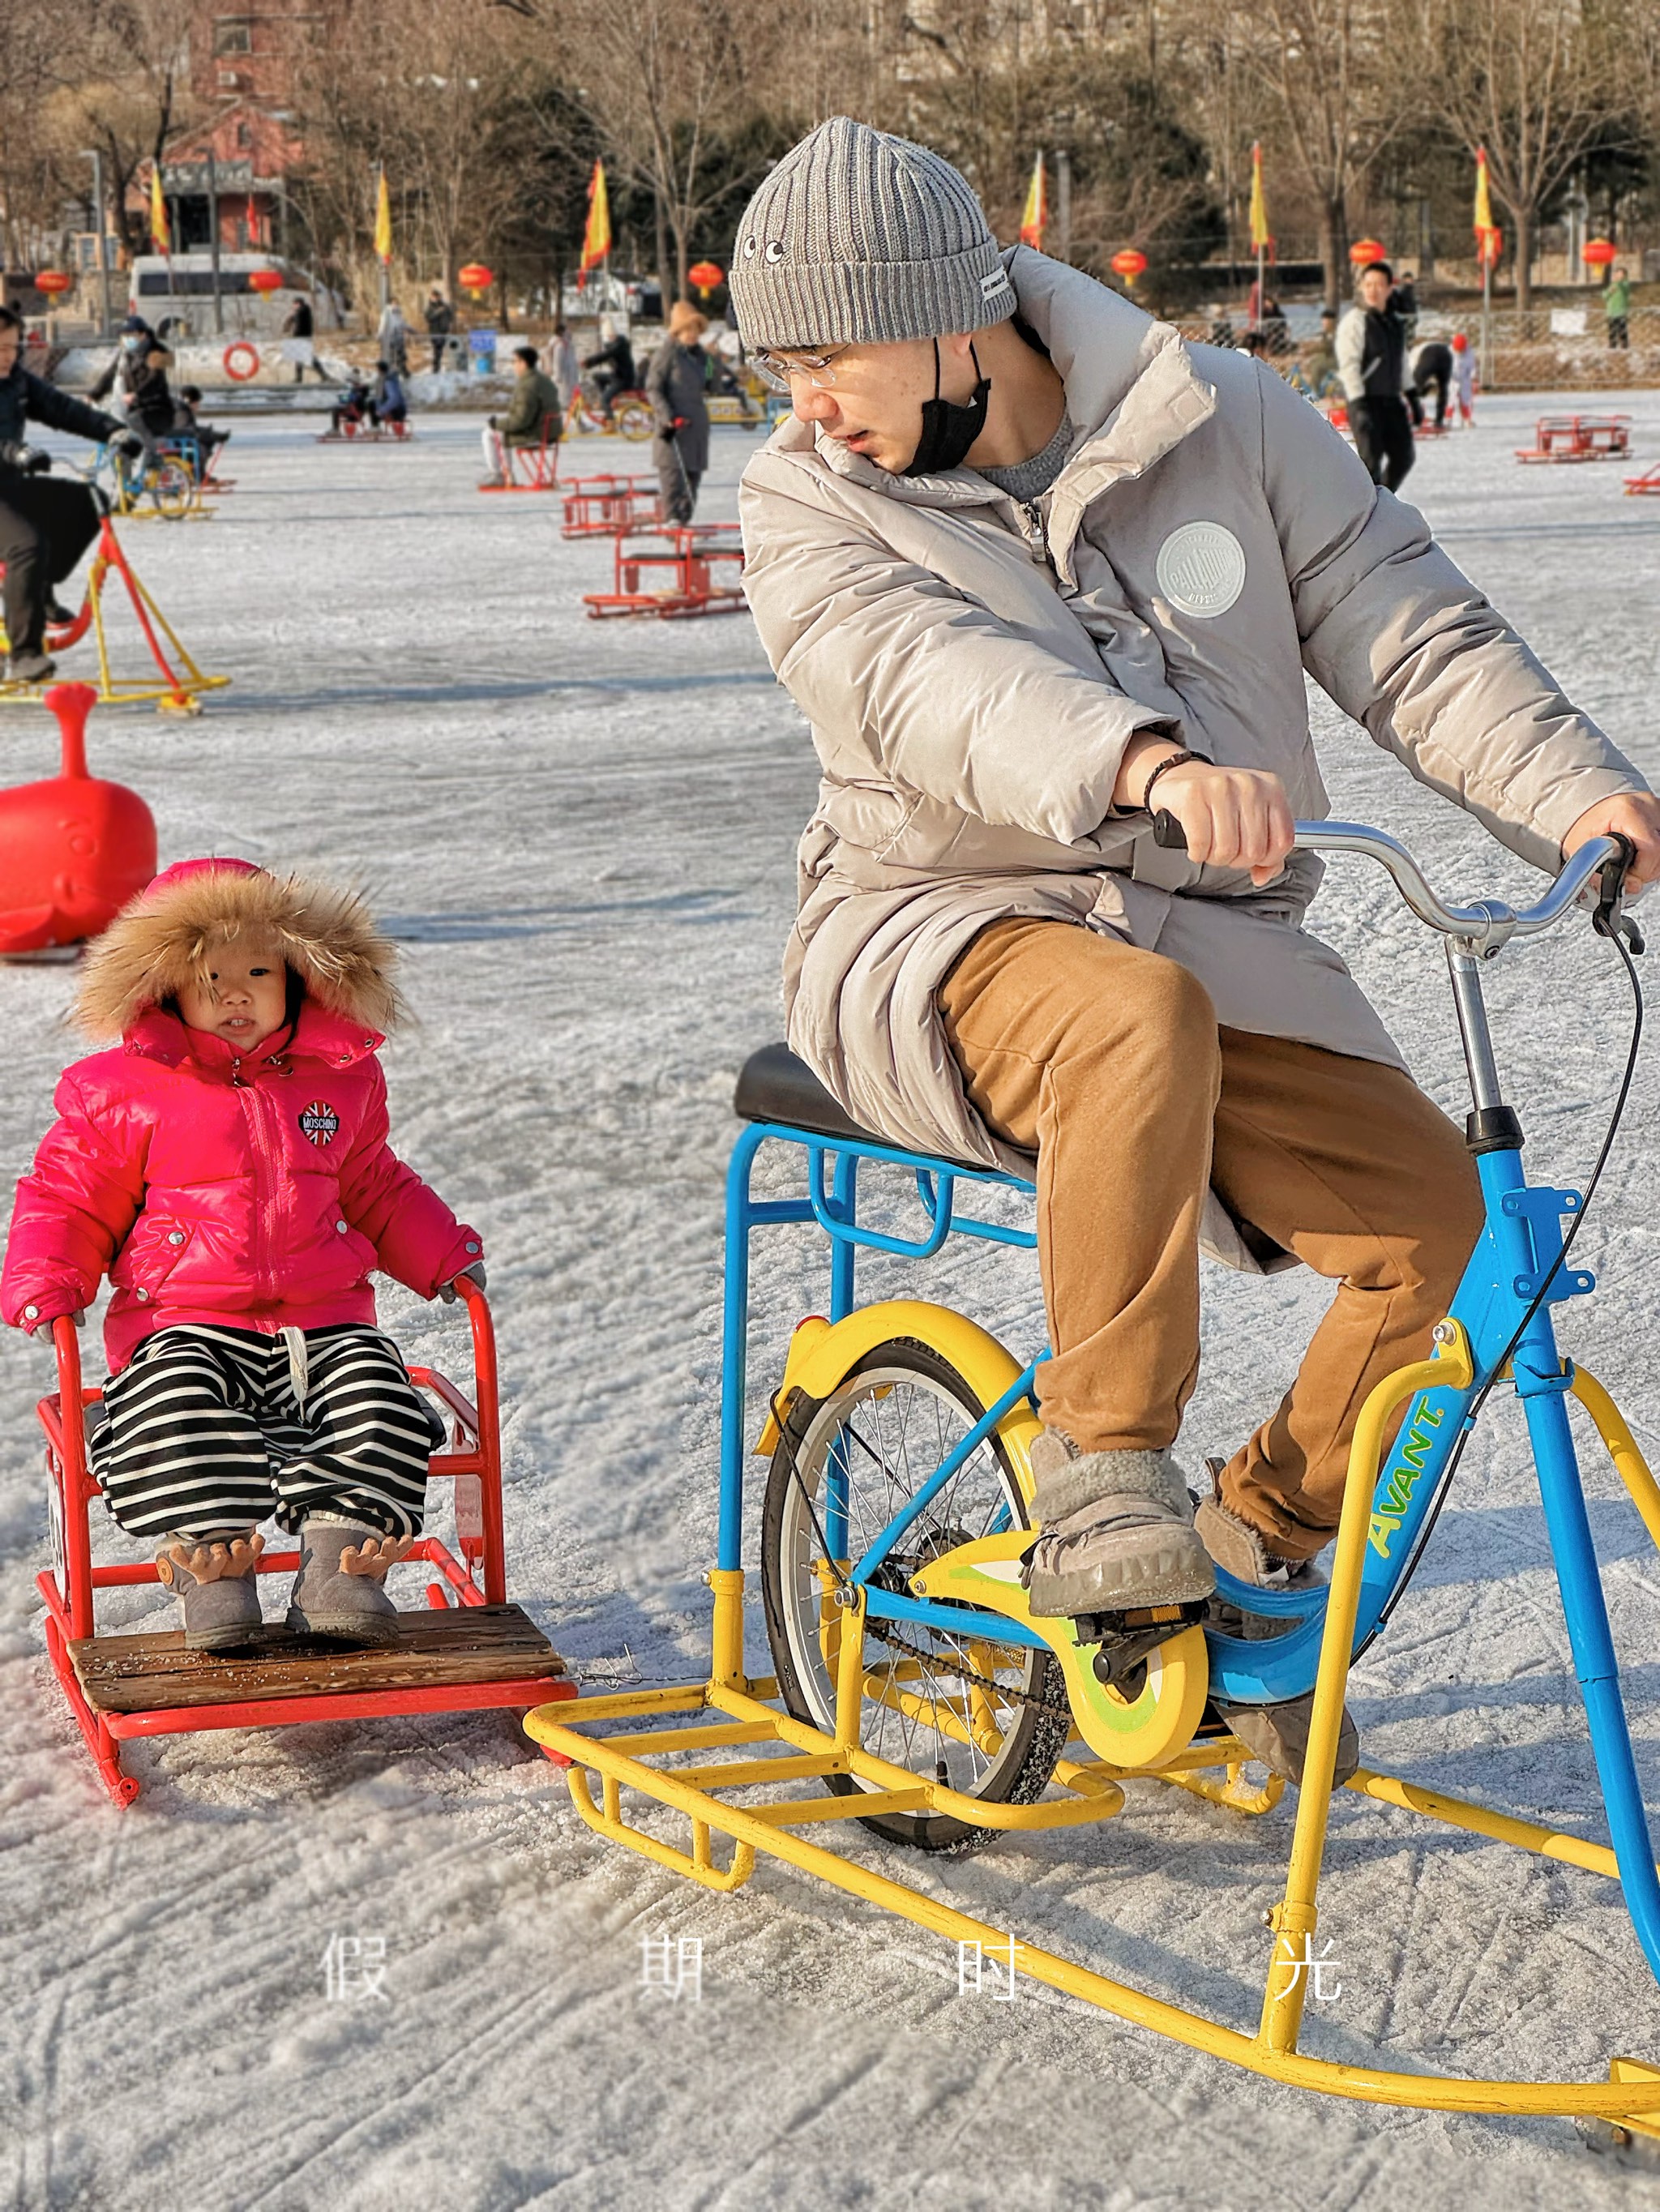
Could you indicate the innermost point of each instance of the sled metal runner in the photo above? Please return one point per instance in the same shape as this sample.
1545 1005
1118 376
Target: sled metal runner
1578 438
177 684
689 556
477 1653
601 506
745 1740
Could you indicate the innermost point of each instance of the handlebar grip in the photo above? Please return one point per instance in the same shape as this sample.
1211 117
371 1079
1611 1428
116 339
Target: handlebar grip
1168 832
1611 884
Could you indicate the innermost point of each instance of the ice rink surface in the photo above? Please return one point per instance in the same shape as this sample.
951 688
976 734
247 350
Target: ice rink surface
583 833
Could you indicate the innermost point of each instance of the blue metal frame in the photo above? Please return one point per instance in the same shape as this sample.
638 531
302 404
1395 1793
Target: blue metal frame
1520 1243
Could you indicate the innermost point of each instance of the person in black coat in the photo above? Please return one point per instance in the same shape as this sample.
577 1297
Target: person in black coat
44 528
440 321
613 365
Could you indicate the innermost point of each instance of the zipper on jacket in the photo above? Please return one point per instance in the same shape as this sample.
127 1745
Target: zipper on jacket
253 1104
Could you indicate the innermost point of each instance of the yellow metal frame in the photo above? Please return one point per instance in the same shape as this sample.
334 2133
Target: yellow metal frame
747 1718
177 692
193 508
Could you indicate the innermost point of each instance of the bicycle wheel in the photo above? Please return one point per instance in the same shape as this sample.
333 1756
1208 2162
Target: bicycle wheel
990 1718
632 419
171 488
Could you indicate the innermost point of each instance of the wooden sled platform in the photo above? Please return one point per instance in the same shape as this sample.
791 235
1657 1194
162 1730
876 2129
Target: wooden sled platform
494 1645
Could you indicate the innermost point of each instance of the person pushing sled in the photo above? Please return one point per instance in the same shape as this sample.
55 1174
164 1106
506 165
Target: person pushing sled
228 1166
1032 567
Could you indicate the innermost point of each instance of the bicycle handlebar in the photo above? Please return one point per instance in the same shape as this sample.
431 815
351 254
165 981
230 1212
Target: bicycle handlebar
1488 924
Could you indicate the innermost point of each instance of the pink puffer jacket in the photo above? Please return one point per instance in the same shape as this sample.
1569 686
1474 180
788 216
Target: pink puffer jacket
254 1192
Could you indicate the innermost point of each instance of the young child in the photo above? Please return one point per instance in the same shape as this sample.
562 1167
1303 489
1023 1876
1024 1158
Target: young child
1463 379
354 407
187 424
228 1166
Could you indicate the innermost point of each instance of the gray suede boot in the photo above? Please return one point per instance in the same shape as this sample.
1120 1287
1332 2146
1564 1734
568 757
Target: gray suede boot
337 1591
1279 1734
214 1579
1118 1532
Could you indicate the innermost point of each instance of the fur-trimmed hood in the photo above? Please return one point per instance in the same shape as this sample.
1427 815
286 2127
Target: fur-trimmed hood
163 938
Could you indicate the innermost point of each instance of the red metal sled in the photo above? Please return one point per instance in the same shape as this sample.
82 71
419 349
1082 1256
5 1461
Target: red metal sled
601 506
693 555
481 1654
368 434
1578 438
1648 481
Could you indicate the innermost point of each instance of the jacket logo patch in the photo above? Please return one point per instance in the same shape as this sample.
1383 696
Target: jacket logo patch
1202 570
318 1124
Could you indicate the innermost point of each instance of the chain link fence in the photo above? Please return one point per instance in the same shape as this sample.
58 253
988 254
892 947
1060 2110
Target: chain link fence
1552 349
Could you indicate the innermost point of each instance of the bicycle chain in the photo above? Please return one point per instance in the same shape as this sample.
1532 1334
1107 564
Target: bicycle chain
961 1668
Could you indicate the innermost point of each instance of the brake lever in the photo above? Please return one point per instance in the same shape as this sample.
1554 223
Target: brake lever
1607 916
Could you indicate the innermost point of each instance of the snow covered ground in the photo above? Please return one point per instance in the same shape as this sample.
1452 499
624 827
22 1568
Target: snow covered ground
584 834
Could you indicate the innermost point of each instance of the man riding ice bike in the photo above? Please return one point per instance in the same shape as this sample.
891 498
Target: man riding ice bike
1032 566
44 528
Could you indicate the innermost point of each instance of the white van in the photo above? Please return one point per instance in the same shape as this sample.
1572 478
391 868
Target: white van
174 294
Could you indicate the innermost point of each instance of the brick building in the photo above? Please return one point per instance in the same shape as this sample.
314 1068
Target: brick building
243 61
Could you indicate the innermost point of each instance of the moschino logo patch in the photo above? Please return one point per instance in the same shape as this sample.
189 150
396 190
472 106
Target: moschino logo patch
319 1123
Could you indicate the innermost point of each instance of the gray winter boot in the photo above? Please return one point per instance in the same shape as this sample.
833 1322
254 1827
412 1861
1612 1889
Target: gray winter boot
337 1591
1118 1532
1279 1734
214 1579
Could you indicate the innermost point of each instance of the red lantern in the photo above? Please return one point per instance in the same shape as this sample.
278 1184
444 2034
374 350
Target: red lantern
476 278
1598 253
1129 264
1366 250
54 282
265 280
706 274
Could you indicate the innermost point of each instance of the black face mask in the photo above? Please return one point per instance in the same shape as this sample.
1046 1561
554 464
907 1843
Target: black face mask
949 426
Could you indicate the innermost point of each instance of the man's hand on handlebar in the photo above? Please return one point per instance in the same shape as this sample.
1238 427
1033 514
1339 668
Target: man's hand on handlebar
1232 817
1632 814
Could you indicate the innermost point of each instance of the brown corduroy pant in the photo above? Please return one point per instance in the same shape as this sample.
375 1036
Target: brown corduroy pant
1108 1063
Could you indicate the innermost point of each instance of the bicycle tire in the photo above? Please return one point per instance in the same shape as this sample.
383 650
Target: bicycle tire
1020 1769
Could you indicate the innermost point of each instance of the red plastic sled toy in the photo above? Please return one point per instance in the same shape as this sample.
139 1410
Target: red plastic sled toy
73 848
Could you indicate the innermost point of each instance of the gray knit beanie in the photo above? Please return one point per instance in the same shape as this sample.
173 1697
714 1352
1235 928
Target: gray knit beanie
859 238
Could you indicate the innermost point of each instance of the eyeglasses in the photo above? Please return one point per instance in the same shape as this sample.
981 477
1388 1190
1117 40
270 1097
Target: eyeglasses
779 370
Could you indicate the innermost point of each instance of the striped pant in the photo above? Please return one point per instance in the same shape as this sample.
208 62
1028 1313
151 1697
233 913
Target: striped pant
220 1428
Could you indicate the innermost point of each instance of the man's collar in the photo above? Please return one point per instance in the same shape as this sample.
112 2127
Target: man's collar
1133 391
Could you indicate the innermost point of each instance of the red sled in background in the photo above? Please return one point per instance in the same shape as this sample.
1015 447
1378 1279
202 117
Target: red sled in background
1578 438
74 848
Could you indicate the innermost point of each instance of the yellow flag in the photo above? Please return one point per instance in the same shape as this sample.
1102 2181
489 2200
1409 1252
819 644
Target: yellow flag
383 222
1489 239
1259 206
596 241
158 236
1037 215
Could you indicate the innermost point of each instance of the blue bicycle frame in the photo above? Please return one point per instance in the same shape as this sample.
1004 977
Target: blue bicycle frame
1497 1303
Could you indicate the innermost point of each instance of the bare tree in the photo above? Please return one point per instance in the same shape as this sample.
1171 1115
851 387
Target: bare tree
1532 80
677 84
1330 75
426 88
123 68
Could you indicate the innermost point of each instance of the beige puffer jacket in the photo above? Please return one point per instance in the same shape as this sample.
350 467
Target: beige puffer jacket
973 669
